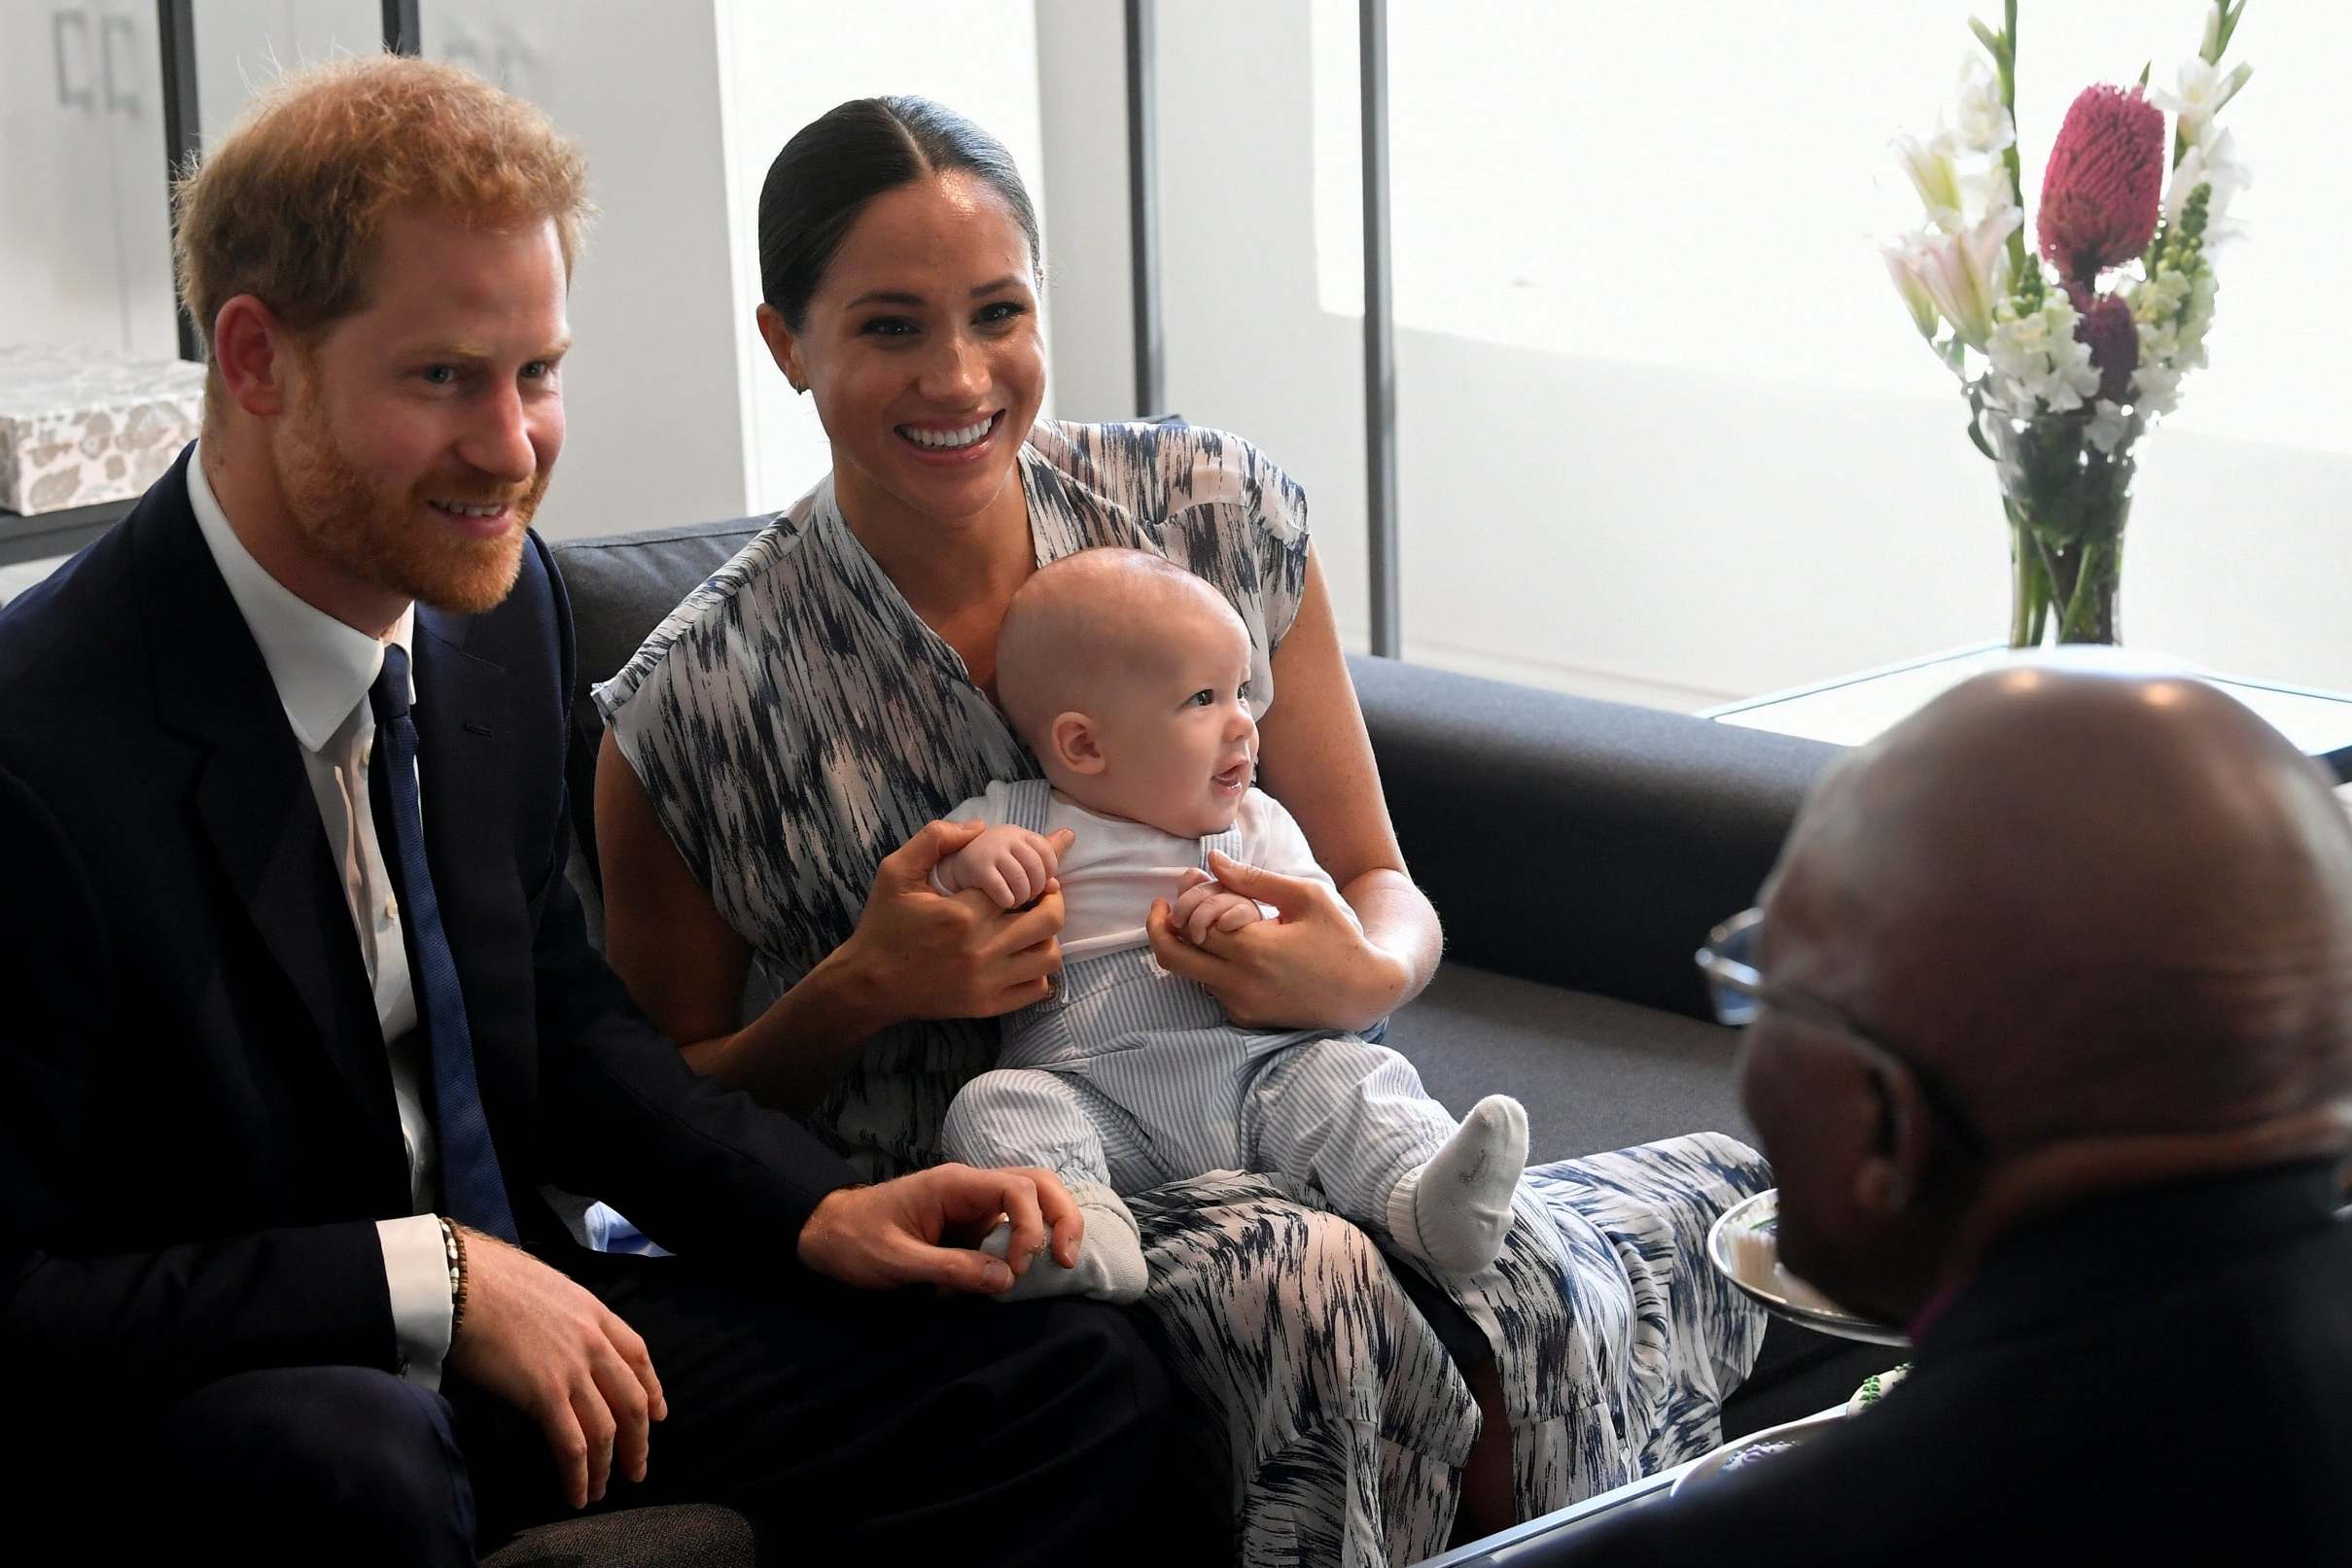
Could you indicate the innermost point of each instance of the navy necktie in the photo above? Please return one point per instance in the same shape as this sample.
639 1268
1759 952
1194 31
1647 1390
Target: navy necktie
472 1188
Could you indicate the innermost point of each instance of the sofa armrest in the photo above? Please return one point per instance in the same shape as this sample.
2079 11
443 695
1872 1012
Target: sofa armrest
1580 843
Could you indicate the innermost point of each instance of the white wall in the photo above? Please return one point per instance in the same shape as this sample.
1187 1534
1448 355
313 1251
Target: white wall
787 63
85 246
241 43
654 434
1082 102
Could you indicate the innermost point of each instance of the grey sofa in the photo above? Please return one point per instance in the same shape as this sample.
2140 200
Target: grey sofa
1577 852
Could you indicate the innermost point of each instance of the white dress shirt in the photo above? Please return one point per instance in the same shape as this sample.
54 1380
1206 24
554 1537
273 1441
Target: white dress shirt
321 670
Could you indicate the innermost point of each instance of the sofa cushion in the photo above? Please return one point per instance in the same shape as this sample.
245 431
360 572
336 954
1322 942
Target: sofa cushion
621 586
1593 1073
678 1535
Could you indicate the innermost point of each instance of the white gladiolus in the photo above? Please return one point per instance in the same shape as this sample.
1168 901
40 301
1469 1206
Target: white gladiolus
2213 162
1980 121
1907 264
1967 273
2038 366
2072 377
1935 176
2108 424
2155 390
1987 191
2200 91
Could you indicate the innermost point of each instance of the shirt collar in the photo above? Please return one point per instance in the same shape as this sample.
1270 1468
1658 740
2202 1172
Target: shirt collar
321 667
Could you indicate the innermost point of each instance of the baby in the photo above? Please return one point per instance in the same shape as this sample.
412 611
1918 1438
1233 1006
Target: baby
1129 679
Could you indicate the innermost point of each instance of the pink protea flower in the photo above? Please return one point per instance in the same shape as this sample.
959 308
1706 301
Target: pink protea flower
2104 184
2104 321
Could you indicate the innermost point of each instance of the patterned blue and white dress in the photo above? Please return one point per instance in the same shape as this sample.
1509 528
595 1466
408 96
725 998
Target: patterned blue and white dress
793 722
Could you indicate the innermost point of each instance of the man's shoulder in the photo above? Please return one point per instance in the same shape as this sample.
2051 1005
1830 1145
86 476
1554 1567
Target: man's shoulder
72 652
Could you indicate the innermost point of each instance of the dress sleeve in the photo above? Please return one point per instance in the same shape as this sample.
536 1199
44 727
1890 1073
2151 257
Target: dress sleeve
678 710
1244 519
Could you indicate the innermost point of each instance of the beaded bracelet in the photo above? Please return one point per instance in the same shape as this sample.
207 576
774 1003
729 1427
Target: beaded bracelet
453 1246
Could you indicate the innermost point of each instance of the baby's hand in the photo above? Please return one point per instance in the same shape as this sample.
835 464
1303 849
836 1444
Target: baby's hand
1205 906
1010 864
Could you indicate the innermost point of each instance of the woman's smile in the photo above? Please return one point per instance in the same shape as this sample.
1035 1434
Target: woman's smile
961 441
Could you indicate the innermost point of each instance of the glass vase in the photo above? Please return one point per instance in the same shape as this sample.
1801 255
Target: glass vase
2066 502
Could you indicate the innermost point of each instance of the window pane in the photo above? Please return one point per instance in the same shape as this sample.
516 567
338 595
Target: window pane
1665 432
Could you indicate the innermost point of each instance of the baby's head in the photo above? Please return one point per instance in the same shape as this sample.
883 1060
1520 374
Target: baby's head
1129 678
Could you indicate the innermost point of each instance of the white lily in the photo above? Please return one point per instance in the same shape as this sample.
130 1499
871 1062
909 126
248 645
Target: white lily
1980 121
1967 273
1935 176
1907 264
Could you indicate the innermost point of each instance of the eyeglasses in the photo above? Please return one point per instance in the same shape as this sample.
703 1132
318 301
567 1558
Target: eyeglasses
1739 992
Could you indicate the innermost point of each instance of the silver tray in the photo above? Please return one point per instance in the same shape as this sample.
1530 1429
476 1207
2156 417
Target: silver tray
1826 1319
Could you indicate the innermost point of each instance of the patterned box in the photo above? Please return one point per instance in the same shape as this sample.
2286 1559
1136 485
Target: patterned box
79 424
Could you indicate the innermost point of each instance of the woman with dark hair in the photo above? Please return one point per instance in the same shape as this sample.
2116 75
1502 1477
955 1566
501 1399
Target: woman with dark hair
780 751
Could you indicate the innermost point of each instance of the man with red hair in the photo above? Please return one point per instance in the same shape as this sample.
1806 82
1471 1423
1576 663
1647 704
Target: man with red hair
300 1014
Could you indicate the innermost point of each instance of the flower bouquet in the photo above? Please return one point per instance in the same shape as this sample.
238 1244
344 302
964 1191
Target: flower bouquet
2069 348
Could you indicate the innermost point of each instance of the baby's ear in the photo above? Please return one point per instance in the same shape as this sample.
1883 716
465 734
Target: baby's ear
1075 743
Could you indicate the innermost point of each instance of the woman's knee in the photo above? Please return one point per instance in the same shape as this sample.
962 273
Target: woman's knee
340 1462
1328 1249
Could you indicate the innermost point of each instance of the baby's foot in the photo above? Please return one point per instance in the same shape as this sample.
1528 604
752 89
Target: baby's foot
1455 1210
1110 1255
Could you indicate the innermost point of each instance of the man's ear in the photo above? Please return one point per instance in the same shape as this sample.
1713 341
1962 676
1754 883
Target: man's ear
1893 1173
1075 744
784 345
254 356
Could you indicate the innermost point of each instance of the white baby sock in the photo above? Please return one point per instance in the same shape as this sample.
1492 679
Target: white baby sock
1110 1256
1455 1210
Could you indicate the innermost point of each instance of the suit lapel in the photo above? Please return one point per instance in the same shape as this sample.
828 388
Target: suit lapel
466 778
253 794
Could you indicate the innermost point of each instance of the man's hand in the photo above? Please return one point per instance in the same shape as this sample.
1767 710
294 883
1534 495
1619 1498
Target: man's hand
547 1347
879 1238
1205 904
1010 864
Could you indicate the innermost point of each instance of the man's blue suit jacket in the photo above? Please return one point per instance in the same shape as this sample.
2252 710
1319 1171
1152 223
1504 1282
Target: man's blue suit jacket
196 1124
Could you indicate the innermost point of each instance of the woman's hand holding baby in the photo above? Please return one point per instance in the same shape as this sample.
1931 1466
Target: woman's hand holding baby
918 954
1205 904
1010 864
1311 969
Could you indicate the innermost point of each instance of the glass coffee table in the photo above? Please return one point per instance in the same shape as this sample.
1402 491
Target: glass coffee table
1499 1549
1513 1546
1855 709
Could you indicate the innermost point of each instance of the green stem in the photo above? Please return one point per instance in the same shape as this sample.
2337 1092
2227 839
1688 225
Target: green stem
2078 622
2006 61
2026 587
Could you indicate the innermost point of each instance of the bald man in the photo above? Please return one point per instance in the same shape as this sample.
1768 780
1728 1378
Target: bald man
2051 1051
